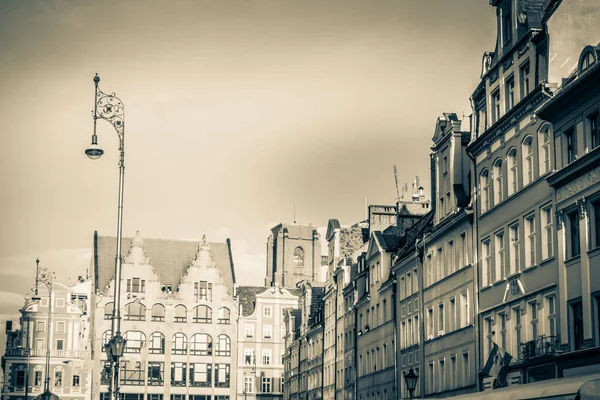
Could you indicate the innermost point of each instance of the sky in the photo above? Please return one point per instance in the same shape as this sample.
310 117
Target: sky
238 113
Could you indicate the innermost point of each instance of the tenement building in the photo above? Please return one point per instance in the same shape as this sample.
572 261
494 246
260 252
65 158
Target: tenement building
54 323
261 340
178 317
573 131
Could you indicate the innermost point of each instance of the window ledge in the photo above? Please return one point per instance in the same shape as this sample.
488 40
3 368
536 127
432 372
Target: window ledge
499 282
546 261
594 251
572 260
484 288
530 268
513 275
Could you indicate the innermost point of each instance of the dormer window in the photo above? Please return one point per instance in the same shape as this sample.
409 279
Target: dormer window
496 105
136 285
525 76
506 29
510 93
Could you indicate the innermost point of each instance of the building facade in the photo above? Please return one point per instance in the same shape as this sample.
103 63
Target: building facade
261 340
55 325
178 316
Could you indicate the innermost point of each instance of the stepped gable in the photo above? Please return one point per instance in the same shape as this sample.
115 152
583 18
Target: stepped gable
247 296
170 259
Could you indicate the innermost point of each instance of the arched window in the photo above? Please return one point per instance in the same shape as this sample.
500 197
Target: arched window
298 257
544 151
158 312
135 311
224 317
106 336
135 341
202 314
513 171
484 187
180 313
223 346
498 182
179 343
157 343
108 310
527 152
201 345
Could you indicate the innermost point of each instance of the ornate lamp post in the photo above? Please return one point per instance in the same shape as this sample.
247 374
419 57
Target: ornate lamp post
46 277
110 108
411 381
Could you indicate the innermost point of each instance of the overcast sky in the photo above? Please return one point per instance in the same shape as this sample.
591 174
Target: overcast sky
235 109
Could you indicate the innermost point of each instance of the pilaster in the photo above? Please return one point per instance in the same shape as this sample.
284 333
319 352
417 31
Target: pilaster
586 299
562 278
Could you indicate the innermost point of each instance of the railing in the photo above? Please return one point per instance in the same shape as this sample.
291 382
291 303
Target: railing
42 353
543 345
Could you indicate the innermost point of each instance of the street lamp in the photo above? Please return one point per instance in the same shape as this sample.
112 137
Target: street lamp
411 381
110 108
46 277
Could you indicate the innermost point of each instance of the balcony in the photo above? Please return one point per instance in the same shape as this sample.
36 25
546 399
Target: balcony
542 346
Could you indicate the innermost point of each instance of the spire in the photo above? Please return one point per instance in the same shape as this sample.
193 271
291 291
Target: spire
203 255
137 255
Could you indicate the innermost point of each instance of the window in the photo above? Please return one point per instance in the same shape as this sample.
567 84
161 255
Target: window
430 321
498 182
135 340
249 329
577 324
266 385
452 380
202 314
158 312
178 374
486 267
248 384
201 344
223 346
156 371
525 77
60 344
485 191
514 265
266 357
464 309
596 223
60 327
135 311
594 124
132 373
551 304
41 326
534 320
155 396
441 315
547 235
201 374
495 106
157 343
58 375
530 241
267 331
502 317
20 378
466 370
506 29
452 256
510 93
108 310
203 291
464 252
431 378
574 246
452 325
37 378
544 144
527 152
222 375
267 311
179 343
136 285
513 171
489 328
298 257
500 256
518 341
571 140
180 313
248 356
442 372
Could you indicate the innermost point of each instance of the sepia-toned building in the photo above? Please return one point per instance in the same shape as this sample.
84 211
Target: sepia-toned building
178 316
261 340
56 326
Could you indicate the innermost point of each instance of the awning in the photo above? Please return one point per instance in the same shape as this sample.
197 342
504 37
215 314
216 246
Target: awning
587 386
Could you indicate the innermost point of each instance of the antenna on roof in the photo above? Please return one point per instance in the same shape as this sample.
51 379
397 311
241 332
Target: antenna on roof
396 179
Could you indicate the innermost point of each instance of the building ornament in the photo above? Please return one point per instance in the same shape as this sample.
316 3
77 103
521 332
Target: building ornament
523 49
559 219
581 208
578 184
507 63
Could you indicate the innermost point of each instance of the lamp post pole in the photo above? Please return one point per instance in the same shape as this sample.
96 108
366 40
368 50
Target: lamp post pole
110 108
46 277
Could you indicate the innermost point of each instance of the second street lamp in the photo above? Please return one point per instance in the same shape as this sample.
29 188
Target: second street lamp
410 379
110 108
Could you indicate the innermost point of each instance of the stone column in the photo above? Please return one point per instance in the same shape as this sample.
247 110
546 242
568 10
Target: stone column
562 278
586 298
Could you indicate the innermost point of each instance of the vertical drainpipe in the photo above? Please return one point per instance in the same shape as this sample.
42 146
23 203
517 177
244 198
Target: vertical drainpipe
396 376
475 266
355 353
323 354
335 321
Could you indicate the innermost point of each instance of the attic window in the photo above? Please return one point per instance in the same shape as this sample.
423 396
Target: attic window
586 60
298 257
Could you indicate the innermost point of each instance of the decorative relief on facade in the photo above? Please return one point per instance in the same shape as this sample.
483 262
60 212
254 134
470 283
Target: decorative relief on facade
559 219
507 63
137 255
523 49
494 76
578 184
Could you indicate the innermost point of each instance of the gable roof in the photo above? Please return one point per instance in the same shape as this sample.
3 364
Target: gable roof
424 225
332 225
247 296
169 258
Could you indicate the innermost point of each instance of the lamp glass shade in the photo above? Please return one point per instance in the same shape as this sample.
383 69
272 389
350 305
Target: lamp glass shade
94 152
411 379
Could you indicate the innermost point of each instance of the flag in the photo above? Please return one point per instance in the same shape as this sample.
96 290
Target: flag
497 363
